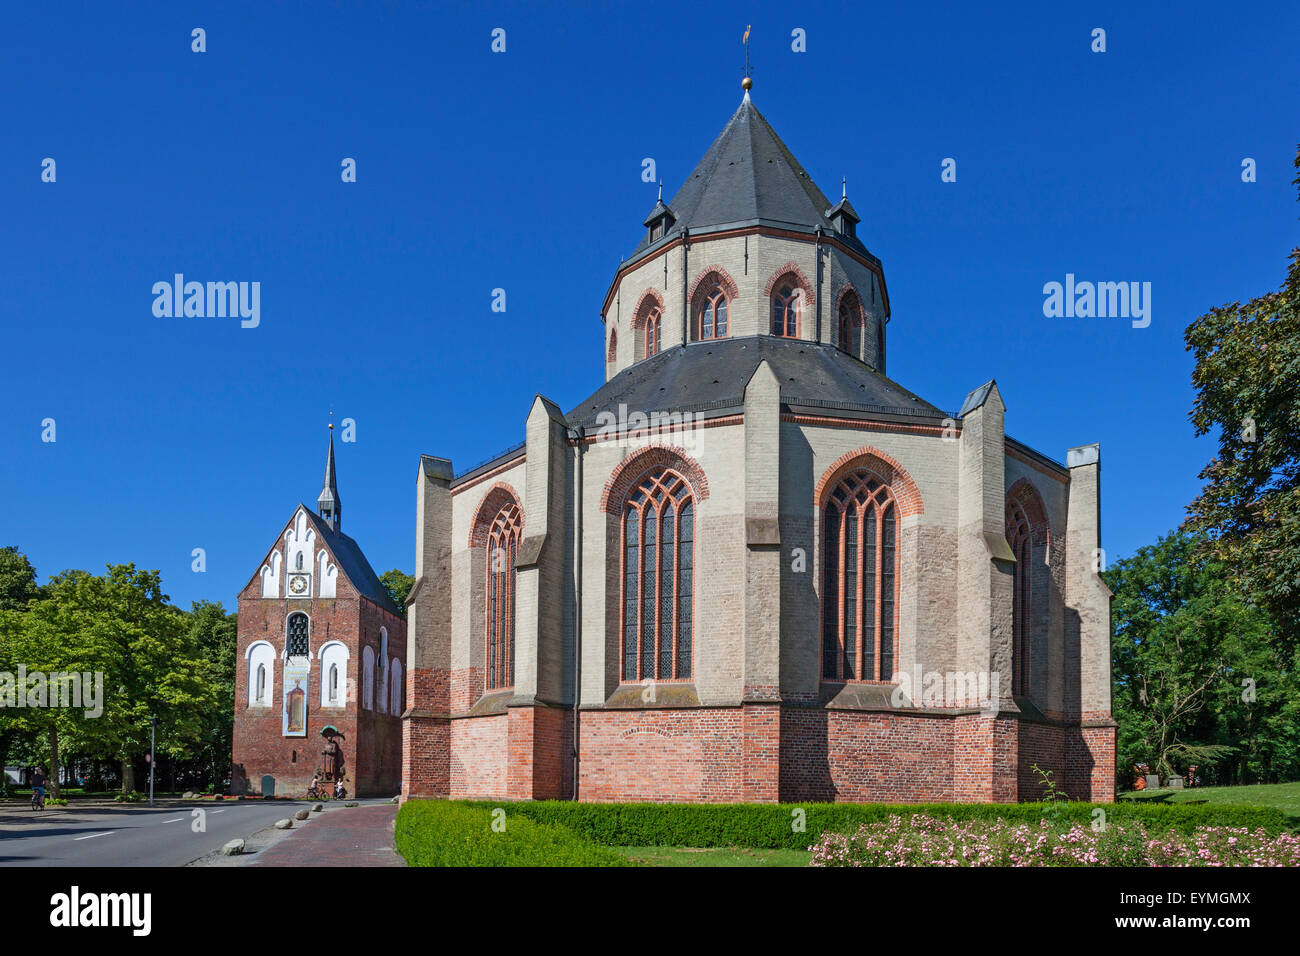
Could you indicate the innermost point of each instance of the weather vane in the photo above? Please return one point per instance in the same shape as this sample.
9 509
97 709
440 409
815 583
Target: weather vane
747 83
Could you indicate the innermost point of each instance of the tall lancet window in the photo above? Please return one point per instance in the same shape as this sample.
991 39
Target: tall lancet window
852 324
1018 536
859 579
502 547
652 333
785 311
658 578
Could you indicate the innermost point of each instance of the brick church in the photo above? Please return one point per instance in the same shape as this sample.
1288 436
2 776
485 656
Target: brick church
321 651
751 566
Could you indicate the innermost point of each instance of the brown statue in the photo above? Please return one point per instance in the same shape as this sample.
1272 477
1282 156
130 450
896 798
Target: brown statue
332 755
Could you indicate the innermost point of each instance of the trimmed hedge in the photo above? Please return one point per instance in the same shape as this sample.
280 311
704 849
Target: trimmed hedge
770 826
440 833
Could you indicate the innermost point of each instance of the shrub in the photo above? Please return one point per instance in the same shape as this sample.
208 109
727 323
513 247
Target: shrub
131 797
440 833
773 826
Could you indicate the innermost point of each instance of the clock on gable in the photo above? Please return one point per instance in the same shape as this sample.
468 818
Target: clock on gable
299 585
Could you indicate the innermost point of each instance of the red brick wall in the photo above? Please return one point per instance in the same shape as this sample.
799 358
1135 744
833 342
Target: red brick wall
478 756
693 755
766 752
860 756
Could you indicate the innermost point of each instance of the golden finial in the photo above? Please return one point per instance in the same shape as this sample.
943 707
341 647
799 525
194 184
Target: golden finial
748 82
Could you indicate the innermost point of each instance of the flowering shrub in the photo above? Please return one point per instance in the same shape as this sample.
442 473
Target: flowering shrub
924 840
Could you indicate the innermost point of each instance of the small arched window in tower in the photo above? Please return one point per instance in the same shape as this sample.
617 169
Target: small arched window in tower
711 313
1018 536
786 301
611 355
652 324
859 579
297 643
658 578
334 684
298 562
503 544
260 693
852 324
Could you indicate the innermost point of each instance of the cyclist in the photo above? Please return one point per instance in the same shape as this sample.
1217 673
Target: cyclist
38 789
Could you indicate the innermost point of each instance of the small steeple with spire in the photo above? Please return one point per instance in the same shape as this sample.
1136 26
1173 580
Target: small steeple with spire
328 505
842 215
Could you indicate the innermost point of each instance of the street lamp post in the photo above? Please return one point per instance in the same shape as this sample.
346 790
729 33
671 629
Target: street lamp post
153 731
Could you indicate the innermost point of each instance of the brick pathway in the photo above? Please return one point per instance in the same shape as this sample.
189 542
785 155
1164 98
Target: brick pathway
342 836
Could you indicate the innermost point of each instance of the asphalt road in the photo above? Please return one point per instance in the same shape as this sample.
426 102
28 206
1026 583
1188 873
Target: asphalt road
130 835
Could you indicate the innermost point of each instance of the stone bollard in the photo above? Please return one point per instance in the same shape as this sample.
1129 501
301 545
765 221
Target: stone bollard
317 808
233 848
284 824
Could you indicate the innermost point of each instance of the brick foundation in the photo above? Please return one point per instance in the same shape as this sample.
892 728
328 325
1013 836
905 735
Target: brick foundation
764 753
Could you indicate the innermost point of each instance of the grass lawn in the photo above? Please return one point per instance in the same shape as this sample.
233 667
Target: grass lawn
712 856
1284 796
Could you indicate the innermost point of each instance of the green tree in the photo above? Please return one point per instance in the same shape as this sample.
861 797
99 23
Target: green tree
150 660
1183 642
18 584
398 584
1247 377
214 631
18 588
52 638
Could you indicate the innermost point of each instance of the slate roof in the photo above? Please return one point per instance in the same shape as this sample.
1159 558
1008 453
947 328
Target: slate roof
712 375
352 562
749 175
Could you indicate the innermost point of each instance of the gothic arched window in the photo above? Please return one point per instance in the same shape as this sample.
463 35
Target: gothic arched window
658 578
502 545
852 324
1018 536
652 324
711 313
859 579
368 677
261 661
785 310
297 643
612 355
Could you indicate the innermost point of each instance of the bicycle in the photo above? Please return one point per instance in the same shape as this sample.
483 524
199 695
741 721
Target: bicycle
316 792
38 799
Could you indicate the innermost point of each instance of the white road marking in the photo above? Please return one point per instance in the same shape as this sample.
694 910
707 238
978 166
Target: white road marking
176 820
217 811
93 835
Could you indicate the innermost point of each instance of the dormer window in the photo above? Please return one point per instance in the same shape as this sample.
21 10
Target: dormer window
843 217
661 218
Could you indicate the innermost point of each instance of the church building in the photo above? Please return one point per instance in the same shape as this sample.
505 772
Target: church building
321 657
752 566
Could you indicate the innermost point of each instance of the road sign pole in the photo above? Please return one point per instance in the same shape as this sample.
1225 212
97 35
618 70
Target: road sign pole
153 730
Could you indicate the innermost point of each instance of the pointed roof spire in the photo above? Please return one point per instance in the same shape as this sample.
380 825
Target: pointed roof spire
328 505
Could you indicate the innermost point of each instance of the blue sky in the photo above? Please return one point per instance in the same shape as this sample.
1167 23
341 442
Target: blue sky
522 171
